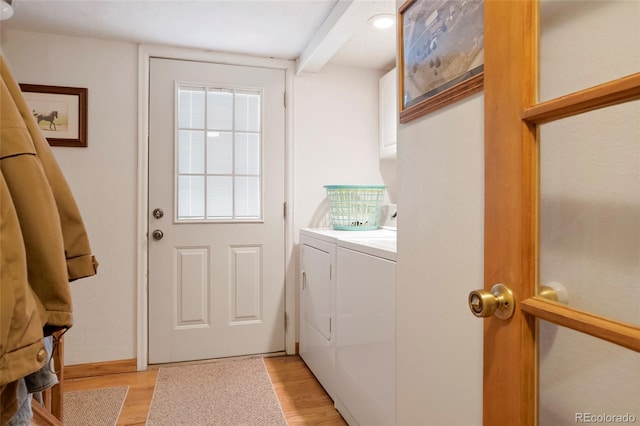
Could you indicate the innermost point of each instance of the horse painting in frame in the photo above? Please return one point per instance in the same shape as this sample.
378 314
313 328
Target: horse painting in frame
65 128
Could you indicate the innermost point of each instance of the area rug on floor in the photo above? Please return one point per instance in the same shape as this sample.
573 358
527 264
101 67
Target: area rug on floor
96 407
230 392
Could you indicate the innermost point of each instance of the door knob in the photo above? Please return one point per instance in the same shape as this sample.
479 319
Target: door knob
498 301
158 213
554 291
157 234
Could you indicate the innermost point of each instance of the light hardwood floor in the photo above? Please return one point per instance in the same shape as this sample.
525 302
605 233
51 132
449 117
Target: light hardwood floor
303 400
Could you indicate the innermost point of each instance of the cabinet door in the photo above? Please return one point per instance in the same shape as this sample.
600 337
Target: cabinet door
388 114
316 289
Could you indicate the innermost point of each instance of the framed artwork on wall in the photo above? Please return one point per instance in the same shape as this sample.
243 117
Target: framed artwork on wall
61 113
441 54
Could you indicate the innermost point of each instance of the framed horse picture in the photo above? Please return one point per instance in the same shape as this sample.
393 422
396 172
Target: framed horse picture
61 113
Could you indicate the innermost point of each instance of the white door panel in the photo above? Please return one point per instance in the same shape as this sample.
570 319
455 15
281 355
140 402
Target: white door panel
216 277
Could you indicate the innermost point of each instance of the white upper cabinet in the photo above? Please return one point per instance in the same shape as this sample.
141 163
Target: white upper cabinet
388 114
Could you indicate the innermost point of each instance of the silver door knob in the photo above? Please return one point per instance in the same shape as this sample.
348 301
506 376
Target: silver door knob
157 234
158 213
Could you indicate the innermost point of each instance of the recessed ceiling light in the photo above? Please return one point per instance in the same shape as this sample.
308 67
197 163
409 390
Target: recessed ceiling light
382 21
6 11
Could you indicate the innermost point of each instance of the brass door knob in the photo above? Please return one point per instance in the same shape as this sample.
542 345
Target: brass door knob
498 301
555 291
157 234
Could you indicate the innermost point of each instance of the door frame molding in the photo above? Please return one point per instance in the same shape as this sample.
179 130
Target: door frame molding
145 52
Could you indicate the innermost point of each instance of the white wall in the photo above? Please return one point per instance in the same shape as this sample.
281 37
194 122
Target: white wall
440 259
335 141
336 134
102 177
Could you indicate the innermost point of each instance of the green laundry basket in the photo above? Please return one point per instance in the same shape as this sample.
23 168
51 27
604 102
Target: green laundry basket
355 207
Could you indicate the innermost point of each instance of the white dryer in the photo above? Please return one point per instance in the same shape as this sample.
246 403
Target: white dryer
317 306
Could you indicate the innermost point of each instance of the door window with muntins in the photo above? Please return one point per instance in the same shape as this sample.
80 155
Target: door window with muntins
218 154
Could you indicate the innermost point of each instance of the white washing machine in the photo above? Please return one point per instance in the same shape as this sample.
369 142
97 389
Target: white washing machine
317 292
365 362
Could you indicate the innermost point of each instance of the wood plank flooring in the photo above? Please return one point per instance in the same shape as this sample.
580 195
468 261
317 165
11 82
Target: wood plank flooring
303 400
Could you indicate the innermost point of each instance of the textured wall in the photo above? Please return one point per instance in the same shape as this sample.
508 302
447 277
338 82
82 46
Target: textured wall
103 179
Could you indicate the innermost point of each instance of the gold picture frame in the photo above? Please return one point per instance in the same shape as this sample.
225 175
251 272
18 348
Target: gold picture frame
440 54
61 113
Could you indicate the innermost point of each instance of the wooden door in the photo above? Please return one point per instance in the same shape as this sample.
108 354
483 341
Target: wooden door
513 117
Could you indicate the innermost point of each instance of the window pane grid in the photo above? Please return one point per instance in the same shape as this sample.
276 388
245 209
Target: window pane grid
219 158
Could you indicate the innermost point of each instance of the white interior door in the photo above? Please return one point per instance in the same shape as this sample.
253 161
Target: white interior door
216 178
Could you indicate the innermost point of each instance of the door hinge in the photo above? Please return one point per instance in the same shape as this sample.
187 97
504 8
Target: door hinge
285 99
330 325
286 321
284 210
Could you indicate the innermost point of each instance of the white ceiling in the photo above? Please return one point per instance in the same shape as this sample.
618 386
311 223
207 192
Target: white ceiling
265 28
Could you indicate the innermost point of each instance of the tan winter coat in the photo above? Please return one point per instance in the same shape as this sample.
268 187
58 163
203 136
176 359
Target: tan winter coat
43 242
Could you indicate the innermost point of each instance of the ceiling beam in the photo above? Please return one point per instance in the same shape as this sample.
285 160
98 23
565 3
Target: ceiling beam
343 20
